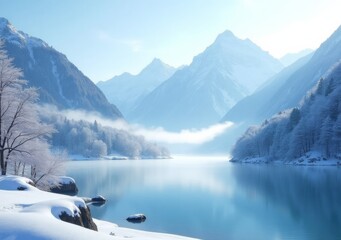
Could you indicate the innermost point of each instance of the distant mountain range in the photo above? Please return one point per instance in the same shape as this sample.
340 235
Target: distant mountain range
290 58
200 94
59 81
127 90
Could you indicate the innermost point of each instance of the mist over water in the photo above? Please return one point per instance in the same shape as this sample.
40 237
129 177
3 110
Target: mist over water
154 134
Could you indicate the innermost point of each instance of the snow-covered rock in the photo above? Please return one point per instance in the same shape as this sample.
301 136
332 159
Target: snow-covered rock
137 218
15 183
65 185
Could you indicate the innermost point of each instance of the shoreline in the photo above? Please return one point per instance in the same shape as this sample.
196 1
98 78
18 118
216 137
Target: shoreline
35 214
313 159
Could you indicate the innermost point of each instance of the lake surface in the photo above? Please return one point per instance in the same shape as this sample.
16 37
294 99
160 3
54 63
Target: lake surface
210 198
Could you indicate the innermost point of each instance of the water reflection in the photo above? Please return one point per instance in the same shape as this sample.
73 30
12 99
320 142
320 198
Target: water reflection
216 200
310 196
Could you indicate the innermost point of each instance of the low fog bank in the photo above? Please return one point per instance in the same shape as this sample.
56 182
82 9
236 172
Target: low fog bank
186 141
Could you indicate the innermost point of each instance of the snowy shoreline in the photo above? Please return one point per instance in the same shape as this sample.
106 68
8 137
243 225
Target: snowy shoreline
34 214
309 159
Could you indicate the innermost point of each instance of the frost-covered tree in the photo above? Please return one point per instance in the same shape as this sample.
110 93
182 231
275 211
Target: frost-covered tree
91 139
337 135
315 125
22 135
326 136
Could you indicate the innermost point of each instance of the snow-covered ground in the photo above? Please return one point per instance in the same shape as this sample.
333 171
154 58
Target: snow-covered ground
313 158
33 214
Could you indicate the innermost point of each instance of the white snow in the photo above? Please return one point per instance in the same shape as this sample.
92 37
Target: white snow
313 158
66 180
57 77
33 214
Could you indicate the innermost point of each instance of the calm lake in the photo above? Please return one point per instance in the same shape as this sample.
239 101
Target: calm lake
210 198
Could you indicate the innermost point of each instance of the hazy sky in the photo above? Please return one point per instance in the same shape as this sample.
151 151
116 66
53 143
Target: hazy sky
104 38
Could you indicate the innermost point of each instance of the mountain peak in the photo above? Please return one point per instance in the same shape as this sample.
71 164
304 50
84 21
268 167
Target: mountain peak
156 66
226 35
11 34
156 61
228 39
6 26
4 22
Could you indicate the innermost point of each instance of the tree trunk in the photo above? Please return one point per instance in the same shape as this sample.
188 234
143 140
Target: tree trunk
3 164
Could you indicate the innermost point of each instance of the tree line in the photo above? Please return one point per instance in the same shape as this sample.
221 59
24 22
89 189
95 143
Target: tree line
91 139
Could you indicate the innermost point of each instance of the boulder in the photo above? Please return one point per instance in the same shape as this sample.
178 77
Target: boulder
83 220
66 185
137 218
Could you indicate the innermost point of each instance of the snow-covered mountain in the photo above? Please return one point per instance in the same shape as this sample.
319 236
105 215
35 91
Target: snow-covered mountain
127 90
285 90
288 87
59 81
198 95
290 58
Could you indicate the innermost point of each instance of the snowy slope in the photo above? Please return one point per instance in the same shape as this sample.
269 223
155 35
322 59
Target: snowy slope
33 214
59 82
127 90
198 95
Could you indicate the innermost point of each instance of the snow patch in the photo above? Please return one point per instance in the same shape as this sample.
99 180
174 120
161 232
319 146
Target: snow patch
15 182
313 158
57 77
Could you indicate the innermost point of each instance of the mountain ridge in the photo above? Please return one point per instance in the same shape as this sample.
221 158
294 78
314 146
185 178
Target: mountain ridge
59 82
200 94
285 90
126 90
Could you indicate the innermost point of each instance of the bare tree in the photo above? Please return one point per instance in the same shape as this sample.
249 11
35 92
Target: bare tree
19 122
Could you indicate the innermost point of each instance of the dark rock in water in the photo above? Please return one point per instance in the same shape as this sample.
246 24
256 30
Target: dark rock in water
98 198
83 220
66 185
96 201
137 218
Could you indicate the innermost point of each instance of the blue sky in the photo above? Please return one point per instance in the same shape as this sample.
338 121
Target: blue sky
104 38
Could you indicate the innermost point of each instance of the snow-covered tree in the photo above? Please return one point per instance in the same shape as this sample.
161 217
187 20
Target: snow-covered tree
315 125
326 136
91 139
22 134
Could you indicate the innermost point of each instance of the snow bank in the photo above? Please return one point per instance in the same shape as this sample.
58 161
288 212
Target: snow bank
34 214
315 158
15 183
256 160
